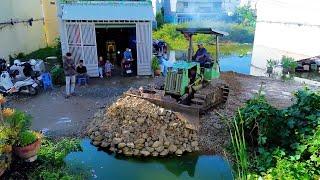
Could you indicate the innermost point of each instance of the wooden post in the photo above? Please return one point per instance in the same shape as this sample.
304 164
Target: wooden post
217 48
190 49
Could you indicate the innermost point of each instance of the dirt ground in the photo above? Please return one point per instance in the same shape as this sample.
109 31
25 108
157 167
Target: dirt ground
57 116
214 134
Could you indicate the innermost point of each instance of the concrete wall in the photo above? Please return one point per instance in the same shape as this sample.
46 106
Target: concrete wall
50 21
285 27
21 37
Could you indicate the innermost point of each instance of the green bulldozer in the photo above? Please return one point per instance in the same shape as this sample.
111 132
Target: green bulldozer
190 87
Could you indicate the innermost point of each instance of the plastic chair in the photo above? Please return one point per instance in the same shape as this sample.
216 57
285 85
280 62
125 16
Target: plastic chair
46 80
82 81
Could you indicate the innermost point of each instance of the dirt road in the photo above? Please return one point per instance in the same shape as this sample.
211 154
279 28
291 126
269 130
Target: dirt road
57 116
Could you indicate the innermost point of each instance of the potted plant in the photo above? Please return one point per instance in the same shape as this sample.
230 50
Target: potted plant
156 66
288 64
27 145
270 65
5 149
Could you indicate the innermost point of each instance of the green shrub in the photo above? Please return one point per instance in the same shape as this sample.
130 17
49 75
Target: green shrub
271 63
19 121
26 138
286 142
155 64
241 34
57 75
288 62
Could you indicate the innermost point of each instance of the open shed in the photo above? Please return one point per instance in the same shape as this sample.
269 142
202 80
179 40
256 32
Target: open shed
89 29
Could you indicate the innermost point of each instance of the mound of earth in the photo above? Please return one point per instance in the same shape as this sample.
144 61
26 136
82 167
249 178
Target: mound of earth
133 126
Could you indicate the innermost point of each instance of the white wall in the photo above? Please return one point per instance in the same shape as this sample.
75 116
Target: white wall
21 37
285 27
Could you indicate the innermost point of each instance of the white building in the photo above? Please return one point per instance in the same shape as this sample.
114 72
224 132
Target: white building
285 27
89 28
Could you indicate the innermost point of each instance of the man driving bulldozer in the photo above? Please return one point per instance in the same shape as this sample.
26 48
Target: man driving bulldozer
201 55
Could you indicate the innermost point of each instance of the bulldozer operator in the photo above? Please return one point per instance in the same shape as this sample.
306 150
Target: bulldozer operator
201 55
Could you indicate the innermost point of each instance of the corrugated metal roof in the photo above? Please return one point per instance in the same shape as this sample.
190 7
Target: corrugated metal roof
113 11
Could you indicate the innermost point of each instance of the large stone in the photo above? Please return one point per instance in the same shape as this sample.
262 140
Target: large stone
172 148
150 149
121 145
144 136
164 152
166 144
130 145
96 143
140 120
179 152
112 149
117 140
156 144
97 133
139 141
155 154
162 111
194 143
145 153
127 152
136 152
159 149
98 138
104 144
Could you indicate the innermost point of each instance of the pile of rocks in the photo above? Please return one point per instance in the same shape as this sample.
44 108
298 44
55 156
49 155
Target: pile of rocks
133 126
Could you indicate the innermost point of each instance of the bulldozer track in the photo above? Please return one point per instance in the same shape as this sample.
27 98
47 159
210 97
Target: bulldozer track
211 95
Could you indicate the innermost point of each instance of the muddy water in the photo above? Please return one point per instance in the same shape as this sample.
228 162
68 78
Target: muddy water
107 166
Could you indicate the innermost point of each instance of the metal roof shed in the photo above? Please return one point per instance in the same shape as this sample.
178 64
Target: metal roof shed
78 21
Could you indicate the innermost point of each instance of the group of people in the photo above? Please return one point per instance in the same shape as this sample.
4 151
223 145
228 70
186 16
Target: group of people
74 72
105 67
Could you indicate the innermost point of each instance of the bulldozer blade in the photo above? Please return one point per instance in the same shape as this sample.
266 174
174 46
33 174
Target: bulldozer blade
191 114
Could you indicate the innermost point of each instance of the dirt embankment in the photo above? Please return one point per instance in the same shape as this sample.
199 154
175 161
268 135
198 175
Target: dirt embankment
213 134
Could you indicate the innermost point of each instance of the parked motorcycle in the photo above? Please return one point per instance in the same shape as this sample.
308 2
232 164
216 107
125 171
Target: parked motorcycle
127 68
25 86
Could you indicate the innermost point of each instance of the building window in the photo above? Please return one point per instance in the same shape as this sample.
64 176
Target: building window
185 4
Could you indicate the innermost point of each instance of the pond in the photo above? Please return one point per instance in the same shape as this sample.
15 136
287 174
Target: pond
103 165
239 64
236 63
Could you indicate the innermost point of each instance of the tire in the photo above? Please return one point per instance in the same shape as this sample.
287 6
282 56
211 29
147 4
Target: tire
33 91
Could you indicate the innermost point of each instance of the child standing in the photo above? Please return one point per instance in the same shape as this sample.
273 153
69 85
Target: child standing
101 64
108 68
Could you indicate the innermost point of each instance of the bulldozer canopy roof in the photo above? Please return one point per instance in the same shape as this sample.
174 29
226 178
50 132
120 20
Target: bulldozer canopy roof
202 31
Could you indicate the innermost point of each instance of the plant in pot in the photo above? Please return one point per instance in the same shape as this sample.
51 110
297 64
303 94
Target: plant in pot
270 65
27 145
156 66
5 149
288 64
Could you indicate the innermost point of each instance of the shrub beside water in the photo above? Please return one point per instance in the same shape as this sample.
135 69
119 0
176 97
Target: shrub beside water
283 143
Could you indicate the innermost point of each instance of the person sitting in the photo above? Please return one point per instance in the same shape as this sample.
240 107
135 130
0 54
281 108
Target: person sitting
201 55
108 68
127 55
82 71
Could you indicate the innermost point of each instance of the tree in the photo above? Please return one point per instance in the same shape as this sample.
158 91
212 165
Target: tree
160 19
246 16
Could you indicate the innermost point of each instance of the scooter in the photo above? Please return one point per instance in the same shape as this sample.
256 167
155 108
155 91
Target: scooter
127 68
26 86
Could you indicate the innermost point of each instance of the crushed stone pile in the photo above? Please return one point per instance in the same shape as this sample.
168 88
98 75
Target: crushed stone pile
136 127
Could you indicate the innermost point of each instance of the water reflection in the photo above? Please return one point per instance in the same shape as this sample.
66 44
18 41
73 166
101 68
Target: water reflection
108 166
240 64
